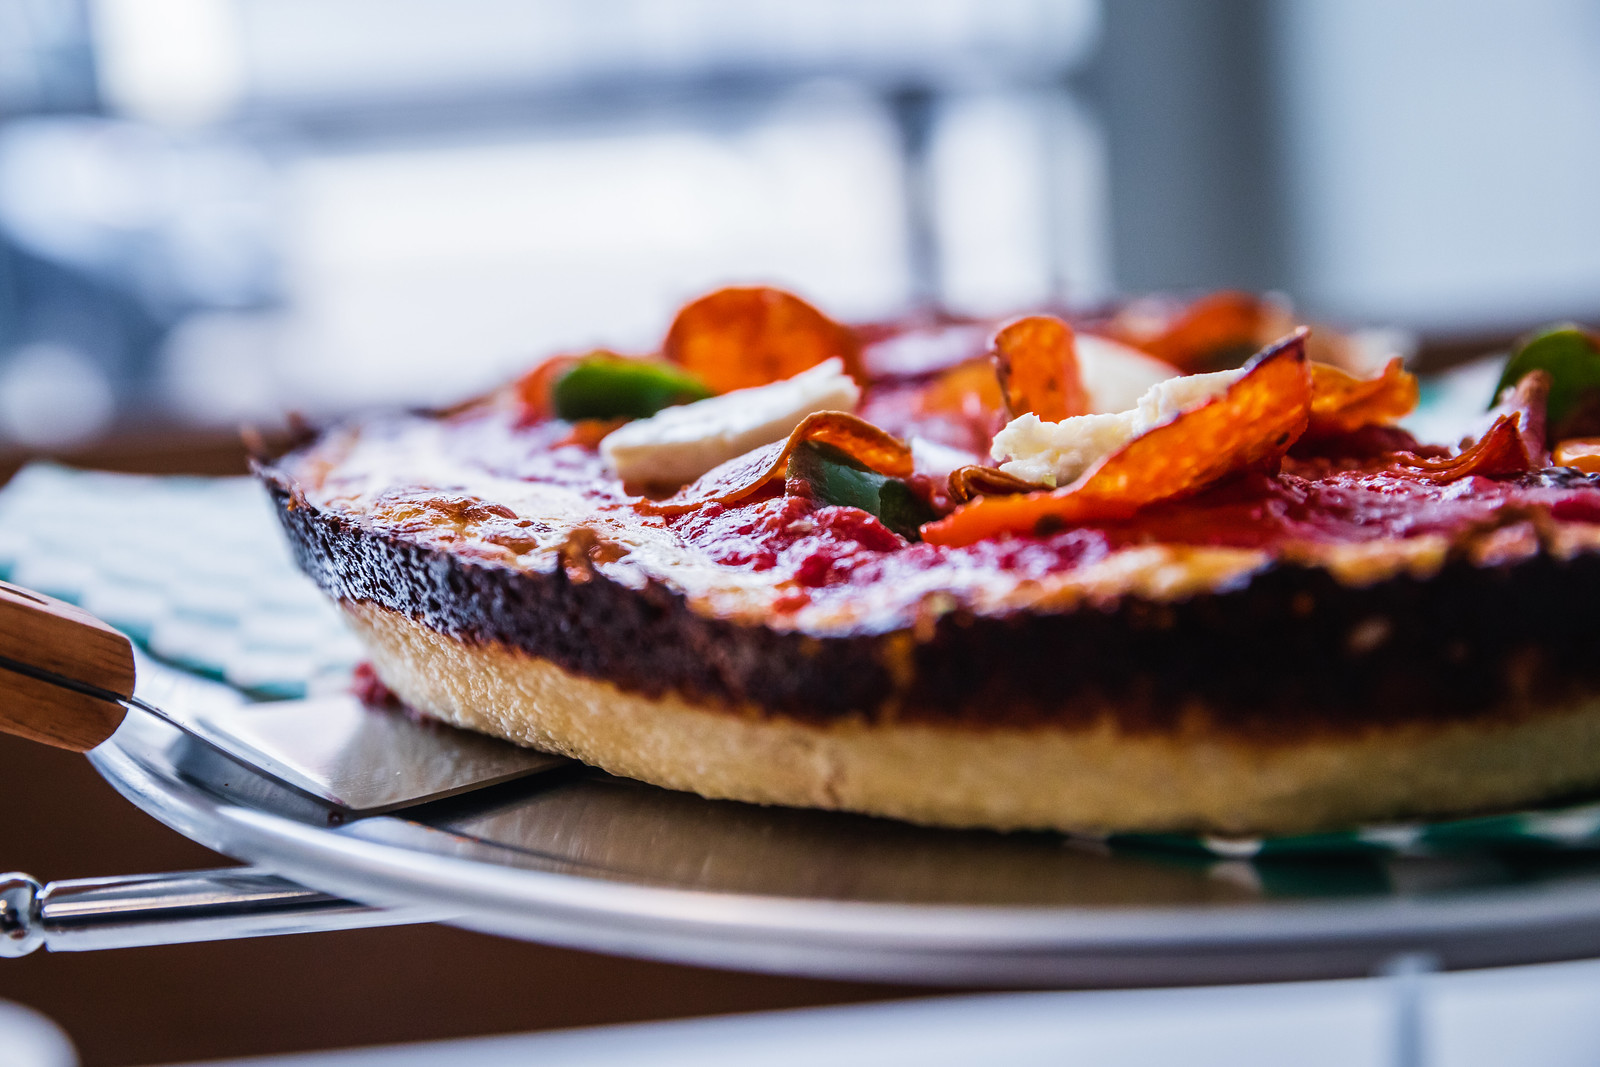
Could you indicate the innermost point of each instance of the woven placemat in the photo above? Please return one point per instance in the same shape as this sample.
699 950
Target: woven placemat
194 569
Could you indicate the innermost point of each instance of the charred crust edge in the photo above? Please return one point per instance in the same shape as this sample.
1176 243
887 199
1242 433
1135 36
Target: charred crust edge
1293 653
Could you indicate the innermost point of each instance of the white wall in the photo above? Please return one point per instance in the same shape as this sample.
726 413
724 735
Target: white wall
1443 158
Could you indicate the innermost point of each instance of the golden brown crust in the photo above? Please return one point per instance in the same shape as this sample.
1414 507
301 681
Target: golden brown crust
1075 777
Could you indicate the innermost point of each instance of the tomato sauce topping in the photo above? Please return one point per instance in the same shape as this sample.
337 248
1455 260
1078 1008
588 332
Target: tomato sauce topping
1293 454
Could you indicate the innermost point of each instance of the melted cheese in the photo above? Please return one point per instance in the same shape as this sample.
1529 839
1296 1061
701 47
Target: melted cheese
1116 375
1057 453
679 444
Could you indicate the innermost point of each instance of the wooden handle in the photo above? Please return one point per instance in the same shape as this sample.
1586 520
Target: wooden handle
54 636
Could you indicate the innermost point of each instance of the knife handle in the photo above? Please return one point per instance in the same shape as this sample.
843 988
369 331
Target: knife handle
48 634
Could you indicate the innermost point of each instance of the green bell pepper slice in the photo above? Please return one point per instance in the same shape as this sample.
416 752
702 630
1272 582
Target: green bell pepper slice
836 478
604 386
1570 355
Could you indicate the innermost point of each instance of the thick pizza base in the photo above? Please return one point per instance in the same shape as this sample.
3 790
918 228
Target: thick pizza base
1093 780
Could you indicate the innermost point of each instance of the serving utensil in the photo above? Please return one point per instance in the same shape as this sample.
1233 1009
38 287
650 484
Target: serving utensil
67 679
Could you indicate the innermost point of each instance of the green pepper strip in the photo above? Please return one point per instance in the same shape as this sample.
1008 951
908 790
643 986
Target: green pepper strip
603 386
1569 354
835 478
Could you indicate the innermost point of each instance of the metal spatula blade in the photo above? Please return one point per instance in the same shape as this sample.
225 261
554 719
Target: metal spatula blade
65 677
365 760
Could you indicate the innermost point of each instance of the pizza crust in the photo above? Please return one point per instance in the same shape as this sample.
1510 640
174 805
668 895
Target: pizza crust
1095 779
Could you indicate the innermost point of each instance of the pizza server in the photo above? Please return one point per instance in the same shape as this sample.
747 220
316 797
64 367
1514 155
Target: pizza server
67 679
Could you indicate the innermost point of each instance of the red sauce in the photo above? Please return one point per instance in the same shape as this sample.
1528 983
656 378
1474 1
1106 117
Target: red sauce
818 546
839 546
899 409
1260 511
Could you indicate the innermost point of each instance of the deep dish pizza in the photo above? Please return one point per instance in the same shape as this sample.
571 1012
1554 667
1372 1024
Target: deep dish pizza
1087 574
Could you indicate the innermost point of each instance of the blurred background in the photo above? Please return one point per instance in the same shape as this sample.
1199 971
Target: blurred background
216 210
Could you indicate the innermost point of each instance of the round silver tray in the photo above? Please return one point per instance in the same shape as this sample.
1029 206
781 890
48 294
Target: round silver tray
591 861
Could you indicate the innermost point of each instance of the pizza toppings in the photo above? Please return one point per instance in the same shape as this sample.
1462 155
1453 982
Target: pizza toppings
831 523
681 443
1216 331
830 475
1497 453
1513 444
738 478
1115 375
1112 453
606 386
1342 403
1570 356
1579 453
804 548
1250 424
1036 362
738 338
959 407
974 481
1529 403
532 395
1048 454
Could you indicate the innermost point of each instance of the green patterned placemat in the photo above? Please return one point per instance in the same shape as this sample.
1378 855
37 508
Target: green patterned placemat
194 569
1574 826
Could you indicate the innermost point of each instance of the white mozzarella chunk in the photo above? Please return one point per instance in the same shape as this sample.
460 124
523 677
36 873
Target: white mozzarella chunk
1116 375
678 444
1057 453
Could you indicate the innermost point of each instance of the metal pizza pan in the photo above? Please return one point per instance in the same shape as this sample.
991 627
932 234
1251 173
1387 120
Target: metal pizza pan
590 861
